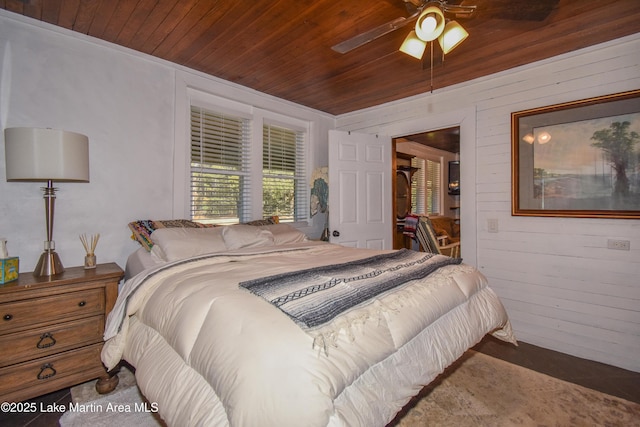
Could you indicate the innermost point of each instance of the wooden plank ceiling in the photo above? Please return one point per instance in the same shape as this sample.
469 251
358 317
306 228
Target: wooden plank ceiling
283 47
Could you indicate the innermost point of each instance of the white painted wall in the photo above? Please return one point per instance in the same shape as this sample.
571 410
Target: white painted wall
562 287
127 104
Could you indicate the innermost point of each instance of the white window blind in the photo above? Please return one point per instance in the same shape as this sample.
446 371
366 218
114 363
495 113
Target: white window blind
220 178
426 187
418 204
433 187
284 189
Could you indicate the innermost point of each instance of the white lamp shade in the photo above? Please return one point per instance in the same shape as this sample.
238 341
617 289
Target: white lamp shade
33 154
452 36
430 24
413 46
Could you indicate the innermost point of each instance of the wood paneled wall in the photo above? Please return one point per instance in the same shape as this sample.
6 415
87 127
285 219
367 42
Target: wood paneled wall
562 287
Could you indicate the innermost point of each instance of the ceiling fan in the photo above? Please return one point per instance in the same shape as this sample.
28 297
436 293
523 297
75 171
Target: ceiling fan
419 10
515 10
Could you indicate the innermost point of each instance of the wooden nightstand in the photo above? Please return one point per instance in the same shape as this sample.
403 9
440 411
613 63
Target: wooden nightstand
51 331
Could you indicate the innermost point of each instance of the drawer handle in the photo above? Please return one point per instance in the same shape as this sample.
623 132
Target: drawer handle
82 303
7 317
48 367
50 340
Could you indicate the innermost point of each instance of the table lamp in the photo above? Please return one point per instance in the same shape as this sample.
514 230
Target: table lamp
47 155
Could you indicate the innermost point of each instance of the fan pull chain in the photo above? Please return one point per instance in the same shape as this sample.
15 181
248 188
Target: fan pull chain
431 44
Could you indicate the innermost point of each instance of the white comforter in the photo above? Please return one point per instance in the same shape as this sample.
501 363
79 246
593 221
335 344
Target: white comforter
212 354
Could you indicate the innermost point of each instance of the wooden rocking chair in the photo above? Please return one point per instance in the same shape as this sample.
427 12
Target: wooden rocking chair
432 243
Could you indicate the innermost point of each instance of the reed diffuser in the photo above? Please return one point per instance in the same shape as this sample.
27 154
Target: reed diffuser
90 244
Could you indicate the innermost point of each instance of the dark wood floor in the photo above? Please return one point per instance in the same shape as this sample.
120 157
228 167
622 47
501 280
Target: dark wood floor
594 375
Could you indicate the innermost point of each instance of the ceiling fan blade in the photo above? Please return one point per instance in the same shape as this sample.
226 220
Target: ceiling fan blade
460 11
517 10
373 34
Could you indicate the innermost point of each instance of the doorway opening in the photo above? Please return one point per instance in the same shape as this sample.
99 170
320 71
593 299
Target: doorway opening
427 181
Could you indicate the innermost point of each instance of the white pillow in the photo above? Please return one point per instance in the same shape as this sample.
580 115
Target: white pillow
285 233
246 236
181 243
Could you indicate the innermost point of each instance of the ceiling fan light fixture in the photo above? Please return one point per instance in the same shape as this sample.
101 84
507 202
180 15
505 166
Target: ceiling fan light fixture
430 24
413 46
543 137
452 36
529 138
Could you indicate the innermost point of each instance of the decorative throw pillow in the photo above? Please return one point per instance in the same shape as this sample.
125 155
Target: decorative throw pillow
142 229
265 221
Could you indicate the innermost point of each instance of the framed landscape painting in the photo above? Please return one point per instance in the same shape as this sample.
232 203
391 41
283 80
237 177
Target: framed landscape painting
578 159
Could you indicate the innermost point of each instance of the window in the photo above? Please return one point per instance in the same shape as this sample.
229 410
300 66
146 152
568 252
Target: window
433 187
220 178
230 174
284 189
417 186
426 188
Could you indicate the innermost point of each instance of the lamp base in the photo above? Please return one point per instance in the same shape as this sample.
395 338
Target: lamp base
49 264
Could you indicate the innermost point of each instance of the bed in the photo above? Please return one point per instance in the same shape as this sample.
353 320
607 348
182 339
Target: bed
249 325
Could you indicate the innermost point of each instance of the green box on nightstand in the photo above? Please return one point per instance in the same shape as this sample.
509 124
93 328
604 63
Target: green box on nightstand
9 268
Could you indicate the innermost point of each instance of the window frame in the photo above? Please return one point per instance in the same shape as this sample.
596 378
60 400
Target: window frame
257 117
301 176
221 169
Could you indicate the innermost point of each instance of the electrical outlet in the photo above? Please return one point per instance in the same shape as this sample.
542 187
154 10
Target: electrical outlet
492 225
620 245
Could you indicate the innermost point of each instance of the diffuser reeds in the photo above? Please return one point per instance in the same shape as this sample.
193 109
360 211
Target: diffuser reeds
90 243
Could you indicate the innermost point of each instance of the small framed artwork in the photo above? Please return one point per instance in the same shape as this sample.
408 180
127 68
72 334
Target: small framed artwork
578 159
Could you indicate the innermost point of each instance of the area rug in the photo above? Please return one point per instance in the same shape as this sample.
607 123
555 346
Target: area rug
482 391
478 390
123 407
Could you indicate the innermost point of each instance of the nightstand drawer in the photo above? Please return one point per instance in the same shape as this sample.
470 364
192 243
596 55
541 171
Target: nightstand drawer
27 313
44 341
50 373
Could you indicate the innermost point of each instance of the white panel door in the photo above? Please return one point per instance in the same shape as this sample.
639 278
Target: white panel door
360 211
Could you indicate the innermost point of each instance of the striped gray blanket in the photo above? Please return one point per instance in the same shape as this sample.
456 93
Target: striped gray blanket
315 296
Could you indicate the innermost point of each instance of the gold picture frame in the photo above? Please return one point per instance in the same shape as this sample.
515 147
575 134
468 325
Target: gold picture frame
578 159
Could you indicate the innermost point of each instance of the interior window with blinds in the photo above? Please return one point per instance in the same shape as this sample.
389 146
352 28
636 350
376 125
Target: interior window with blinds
220 176
417 186
426 188
284 189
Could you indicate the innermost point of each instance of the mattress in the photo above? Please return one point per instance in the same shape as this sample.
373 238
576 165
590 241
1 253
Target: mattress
140 260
